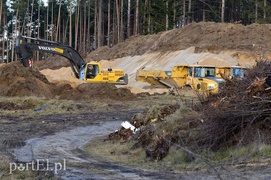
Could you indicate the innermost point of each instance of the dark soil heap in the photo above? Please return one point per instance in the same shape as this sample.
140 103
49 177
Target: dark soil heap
16 80
204 36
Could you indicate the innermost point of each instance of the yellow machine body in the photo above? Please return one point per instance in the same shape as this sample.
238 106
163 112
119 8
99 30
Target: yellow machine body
159 78
98 75
199 78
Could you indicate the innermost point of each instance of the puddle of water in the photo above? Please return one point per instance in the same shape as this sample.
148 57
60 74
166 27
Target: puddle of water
60 145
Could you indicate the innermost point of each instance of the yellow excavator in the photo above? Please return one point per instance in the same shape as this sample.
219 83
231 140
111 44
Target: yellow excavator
90 72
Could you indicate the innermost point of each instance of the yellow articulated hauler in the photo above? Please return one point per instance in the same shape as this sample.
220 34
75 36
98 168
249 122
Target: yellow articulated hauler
203 79
199 78
158 78
231 72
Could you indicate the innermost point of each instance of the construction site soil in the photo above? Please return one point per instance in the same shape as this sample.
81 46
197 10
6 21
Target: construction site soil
53 79
244 43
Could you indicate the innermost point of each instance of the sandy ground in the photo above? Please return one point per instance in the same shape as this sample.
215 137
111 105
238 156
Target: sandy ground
153 61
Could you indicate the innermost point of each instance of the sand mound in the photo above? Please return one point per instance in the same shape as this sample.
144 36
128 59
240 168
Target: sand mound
62 75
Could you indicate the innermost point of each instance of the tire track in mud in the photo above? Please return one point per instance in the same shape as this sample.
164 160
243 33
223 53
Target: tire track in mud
69 145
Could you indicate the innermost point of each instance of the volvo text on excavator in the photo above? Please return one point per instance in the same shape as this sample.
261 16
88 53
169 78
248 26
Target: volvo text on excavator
90 72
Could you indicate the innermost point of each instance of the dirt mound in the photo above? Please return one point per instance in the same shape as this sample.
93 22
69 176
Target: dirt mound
204 36
16 80
88 91
52 62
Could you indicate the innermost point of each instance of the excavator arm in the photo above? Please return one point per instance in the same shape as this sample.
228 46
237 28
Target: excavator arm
90 72
25 50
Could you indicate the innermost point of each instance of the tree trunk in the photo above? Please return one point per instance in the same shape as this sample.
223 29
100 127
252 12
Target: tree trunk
129 18
76 24
1 11
189 11
95 25
203 11
58 20
52 21
108 24
47 22
113 24
136 28
222 11
85 29
166 15
2 31
80 29
70 33
256 11
13 48
149 18
264 9
183 16
174 14
100 23
88 31
118 20
121 22
38 35
29 31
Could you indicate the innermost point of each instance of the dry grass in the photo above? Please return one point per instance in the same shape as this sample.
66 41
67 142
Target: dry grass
176 161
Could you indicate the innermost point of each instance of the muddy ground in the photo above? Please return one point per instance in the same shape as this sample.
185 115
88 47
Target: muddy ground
27 123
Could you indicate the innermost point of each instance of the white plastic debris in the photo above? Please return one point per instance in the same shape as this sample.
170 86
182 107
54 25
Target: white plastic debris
128 125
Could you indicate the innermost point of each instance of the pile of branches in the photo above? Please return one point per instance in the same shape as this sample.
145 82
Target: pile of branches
156 145
241 110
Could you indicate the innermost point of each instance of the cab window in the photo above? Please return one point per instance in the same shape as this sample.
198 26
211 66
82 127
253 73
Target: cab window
92 71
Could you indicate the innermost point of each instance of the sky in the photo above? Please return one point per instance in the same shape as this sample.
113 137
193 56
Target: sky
45 2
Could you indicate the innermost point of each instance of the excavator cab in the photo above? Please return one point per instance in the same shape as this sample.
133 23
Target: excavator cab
91 71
